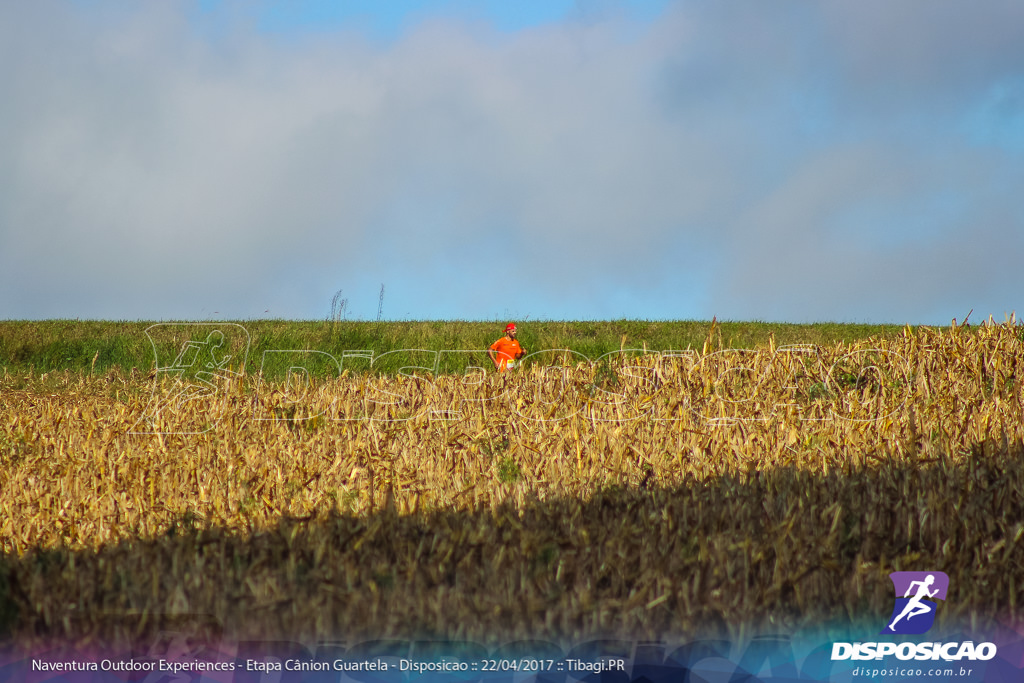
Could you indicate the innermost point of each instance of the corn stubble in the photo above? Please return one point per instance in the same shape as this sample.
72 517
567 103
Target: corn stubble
715 492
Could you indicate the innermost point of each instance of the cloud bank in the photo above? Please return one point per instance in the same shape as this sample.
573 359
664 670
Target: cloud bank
776 161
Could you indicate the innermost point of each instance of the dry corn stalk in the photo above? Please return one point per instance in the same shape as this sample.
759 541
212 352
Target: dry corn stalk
647 497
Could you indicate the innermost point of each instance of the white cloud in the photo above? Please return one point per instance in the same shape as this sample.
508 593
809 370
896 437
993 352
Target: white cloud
152 171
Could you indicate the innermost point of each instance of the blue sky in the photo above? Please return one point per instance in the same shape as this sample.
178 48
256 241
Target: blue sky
388 21
775 160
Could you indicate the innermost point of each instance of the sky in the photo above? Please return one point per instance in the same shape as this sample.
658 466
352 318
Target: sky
777 160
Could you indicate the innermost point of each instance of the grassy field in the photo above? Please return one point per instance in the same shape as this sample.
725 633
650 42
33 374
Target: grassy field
98 346
714 492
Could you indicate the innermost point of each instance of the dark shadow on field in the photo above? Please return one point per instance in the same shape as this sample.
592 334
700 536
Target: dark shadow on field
784 547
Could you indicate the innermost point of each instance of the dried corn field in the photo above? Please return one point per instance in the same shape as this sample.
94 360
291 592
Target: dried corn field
654 495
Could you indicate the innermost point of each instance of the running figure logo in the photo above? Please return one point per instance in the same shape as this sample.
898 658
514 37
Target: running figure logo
914 612
209 358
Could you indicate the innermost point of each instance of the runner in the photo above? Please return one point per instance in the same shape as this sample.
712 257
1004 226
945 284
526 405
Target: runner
507 349
915 605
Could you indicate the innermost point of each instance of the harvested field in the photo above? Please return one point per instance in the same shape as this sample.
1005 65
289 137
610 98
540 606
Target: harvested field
651 496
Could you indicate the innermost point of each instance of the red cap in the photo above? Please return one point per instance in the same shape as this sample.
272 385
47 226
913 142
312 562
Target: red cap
510 326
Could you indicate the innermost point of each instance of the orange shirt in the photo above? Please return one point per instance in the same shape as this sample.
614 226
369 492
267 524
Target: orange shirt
507 349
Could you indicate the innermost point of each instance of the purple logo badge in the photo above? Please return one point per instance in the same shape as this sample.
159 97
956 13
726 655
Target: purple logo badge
916 593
